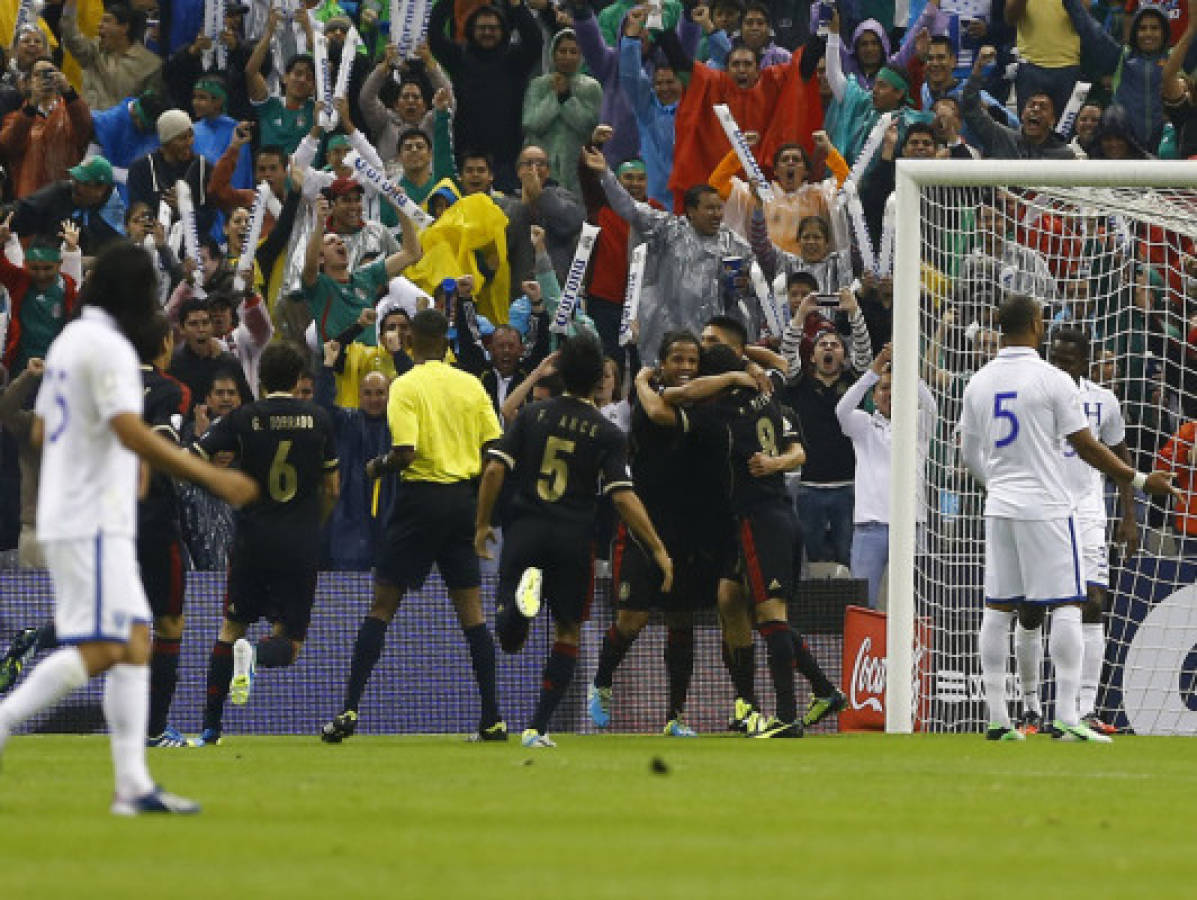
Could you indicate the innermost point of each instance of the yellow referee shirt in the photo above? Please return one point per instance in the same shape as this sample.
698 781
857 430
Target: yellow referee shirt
446 415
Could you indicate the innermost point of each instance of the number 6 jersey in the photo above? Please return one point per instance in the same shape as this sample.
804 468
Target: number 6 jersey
562 454
287 447
1016 410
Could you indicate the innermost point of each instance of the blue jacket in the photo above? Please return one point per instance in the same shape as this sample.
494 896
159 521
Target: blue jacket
353 529
1137 82
212 138
654 121
120 140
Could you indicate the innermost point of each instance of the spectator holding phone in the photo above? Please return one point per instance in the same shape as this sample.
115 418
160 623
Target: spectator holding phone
48 134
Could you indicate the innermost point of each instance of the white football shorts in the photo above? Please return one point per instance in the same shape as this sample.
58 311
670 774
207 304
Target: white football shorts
98 595
1034 561
1095 552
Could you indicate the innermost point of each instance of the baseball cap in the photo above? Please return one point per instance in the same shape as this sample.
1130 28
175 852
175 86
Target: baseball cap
338 140
93 170
342 186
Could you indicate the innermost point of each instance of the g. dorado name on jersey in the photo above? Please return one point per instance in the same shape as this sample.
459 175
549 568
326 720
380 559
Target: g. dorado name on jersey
286 423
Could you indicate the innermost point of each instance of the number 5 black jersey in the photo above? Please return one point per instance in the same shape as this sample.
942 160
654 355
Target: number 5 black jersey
287 447
563 453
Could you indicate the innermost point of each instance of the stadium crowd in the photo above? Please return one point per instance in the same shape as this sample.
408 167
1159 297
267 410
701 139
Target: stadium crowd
514 128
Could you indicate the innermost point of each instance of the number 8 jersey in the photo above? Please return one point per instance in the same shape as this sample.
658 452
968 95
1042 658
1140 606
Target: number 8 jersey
1016 410
562 453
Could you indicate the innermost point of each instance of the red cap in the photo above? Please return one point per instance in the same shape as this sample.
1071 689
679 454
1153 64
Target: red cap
342 186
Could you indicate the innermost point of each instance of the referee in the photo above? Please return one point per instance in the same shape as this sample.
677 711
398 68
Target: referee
441 420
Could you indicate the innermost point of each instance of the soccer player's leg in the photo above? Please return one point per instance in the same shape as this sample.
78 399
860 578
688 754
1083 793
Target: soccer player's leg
162 575
735 624
569 586
404 558
1028 663
635 593
766 549
523 552
695 586
72 569
1095 564
458 565
1050 556
1003 593
244 600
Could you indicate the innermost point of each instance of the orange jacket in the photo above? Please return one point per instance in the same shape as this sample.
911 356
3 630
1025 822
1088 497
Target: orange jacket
1176 457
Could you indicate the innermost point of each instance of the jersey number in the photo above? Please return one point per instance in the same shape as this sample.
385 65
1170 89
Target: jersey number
766 435
1000 413
284 480
554 469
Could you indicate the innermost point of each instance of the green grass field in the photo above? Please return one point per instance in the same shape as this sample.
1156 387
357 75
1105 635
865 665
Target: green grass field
828 816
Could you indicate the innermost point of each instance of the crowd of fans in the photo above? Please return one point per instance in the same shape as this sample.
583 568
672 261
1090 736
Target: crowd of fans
511 125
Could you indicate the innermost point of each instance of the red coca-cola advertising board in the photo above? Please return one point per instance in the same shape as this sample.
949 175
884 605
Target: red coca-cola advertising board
864 670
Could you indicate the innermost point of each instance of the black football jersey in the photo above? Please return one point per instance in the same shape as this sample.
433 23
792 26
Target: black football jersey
681 475
287 446
563 453
164 406
754 423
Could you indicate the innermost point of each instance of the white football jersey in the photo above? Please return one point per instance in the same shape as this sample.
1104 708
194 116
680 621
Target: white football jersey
88 479
1085 483
1016 410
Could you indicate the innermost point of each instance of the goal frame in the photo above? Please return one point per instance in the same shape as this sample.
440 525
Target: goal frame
911 177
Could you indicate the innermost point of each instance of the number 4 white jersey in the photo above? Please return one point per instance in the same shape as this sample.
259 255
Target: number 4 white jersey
1017 409
1085 483
88 479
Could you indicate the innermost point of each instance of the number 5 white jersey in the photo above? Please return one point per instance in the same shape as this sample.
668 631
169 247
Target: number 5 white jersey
1016 411
88 479
1085 483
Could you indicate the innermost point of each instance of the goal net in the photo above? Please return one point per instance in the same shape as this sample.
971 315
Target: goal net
1109 248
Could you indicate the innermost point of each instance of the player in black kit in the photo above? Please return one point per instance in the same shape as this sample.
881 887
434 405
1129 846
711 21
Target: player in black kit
762 447
678 479
287 446
562 453
159 535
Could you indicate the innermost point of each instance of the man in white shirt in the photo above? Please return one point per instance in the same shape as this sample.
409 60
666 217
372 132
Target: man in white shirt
91 431
1070 354
1016 410
872 440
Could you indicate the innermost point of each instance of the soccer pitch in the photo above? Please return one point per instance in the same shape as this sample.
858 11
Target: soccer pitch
827 816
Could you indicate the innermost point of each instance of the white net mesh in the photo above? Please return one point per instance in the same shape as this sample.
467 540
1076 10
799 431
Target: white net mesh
1120 264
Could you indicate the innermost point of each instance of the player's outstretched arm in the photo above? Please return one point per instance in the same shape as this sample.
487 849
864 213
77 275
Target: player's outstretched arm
632 511
707 386
1098 455
488 493
232 486
766 358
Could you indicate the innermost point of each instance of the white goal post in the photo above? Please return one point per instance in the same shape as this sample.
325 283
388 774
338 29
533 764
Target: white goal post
1087 184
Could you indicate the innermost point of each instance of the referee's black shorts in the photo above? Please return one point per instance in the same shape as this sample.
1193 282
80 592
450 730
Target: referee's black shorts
564 555
429 523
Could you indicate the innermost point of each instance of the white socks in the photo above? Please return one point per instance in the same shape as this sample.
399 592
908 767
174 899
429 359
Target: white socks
52 679
1028 658
994 644
1094 638
127 709
1066 647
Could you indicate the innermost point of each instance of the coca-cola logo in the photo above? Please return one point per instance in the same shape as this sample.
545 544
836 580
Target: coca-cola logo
868 677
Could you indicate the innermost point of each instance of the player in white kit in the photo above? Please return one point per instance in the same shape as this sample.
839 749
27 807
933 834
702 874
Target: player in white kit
1016 410
90 428
1070 354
